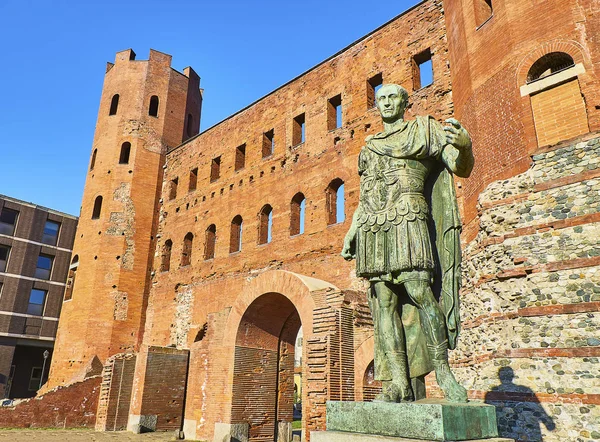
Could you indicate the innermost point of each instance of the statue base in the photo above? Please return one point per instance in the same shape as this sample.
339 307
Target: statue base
341 436
427 419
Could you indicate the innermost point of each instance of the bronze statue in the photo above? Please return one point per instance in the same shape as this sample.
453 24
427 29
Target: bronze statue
405 236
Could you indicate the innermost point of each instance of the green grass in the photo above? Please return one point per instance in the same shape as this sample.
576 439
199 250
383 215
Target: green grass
296 425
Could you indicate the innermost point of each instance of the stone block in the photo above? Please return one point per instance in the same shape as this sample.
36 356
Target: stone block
230 432
428 419
341 436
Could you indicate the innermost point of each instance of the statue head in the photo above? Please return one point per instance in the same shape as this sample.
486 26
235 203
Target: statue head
391 100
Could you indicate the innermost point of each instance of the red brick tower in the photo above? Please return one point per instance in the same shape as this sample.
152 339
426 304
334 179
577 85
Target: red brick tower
146 108
524 76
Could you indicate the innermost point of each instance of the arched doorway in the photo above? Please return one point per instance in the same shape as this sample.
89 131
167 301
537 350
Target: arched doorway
263 388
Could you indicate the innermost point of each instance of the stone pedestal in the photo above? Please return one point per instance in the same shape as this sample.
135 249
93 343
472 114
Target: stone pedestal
340 436
427 419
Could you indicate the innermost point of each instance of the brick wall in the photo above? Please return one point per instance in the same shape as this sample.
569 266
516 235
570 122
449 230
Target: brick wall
65 407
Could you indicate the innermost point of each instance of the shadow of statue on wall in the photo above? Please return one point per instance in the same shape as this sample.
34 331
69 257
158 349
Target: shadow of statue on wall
522 420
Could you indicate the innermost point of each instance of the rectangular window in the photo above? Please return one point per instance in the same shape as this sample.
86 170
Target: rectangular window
4 253
37 299
193 180
268 146
240 157
298 130
35 378
373 85
215 169
8 221
173 188
422 70
51 229
44 267
334 112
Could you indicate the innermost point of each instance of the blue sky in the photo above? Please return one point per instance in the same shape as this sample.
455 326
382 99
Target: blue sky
55 52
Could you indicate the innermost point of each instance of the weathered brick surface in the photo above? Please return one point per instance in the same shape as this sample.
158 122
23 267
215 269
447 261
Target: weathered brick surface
532 232
63 407
490 64
107 308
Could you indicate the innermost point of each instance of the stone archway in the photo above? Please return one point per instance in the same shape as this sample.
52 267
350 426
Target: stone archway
263 389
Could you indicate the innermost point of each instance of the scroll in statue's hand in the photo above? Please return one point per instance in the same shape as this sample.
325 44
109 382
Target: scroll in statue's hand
456 135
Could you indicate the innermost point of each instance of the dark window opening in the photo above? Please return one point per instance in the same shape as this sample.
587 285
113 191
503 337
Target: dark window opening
235 241
173 188
211 240
335 202
265 224
186 252
240 157
483 11
268 146
35 379
373 85
334 112
44 267
190 125
297 216
71 278
37 298
93 161
422 70
114 105
165 259
97 208
8 221
153 109
549 64
4 253
298 130
125 151
215 169
193 179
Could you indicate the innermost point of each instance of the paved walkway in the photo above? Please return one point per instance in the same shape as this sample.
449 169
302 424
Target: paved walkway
81 436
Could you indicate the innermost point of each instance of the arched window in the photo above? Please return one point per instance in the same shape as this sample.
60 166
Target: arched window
210 242
190 125
153 110
125 151
557 104
71 278
97 208
93 162
235 241
114 105
548 65
186 252
335 202
265 224
297 208
165 260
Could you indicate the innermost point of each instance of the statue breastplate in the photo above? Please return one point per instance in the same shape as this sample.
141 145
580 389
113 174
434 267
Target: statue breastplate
392 192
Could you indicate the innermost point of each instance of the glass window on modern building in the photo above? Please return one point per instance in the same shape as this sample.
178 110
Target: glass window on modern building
37 299
8 221
51 229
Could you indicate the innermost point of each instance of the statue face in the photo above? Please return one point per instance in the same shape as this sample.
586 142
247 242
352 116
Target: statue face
390 102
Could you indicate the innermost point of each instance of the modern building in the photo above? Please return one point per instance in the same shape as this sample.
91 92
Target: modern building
203 254
35 259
